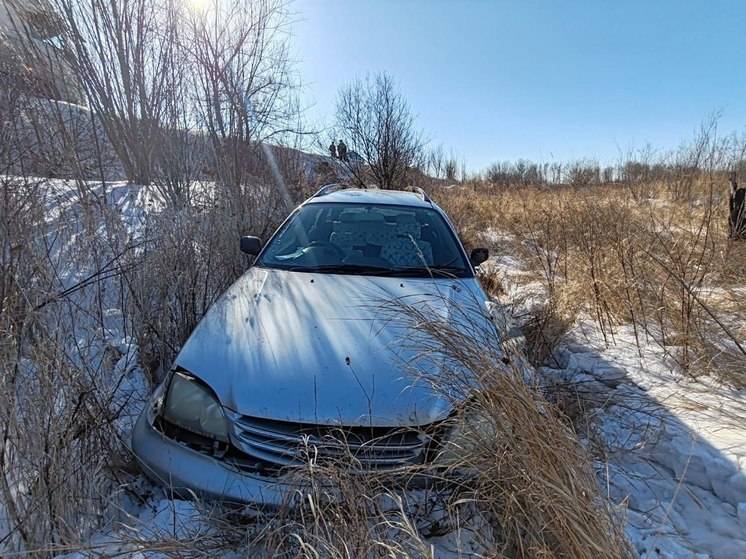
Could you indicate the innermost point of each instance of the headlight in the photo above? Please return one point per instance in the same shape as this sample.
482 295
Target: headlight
192 406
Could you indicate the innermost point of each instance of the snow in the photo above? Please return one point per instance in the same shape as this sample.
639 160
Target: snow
670 450
158 519
86 312
676 448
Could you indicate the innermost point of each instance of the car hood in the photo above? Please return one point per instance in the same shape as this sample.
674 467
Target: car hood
323 348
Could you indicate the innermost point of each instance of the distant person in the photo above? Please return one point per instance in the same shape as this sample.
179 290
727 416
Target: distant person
737 210
333 150
342 150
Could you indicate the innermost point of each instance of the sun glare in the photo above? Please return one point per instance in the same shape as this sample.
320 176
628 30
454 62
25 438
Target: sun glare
198 6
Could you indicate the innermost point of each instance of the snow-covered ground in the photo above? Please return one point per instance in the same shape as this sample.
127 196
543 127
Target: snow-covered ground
85 305
672 451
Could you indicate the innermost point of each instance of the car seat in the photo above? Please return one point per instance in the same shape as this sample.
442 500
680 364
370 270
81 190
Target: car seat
406 248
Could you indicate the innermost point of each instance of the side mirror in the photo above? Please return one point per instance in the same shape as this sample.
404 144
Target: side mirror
478 255
251 245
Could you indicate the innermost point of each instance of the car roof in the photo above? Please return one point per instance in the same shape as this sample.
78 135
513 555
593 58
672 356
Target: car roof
372 196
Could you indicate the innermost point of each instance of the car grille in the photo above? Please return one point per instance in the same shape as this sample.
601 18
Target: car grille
287 444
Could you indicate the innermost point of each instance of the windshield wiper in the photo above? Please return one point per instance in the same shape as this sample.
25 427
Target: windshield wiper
423 271
363 270
342 269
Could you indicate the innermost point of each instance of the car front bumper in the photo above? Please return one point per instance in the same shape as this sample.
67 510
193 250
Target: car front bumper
192 474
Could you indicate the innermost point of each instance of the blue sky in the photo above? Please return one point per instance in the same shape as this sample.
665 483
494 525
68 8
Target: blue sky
496 80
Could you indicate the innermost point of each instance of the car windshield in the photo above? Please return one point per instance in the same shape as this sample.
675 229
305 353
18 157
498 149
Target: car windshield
372 239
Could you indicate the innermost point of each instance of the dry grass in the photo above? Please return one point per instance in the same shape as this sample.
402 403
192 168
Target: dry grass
519 483
58 439
662 263
524 485
532 482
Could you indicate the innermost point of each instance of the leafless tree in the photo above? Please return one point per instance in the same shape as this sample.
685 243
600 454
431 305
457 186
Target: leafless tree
435 160
53 136
376 123
122 51
181 153
451 168
244 84
583 173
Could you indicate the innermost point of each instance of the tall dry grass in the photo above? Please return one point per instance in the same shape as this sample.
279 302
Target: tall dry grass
59 374
529 479
662 262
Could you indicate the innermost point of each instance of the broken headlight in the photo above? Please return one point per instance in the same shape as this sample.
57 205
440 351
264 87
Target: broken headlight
192 406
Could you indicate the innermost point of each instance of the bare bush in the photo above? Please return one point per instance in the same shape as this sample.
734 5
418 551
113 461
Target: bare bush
181 154
122 52
56 450
245 92
378 127
189 256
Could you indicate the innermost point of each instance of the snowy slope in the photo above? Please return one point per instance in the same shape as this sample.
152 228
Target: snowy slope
84 308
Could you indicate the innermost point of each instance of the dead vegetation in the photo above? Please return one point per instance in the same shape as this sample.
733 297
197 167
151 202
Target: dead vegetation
58 375
654 255
530 490
519 483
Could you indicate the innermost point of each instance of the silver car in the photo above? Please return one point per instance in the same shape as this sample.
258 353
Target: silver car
297 349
